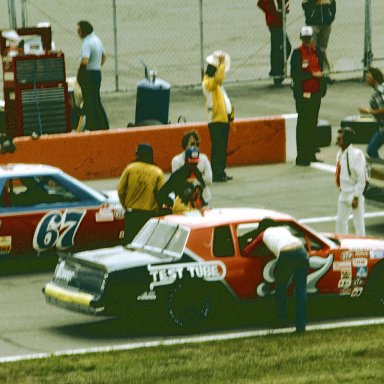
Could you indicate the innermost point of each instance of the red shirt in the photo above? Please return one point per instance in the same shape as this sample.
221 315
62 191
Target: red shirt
310 63
273 12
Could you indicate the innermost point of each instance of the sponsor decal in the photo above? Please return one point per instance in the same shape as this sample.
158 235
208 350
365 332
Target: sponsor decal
346 274
345 292
346 256
168 273
344 283
104 215
357 291
359 282
342 265
362 253
359 262
5 245
147 296
362 272
57 229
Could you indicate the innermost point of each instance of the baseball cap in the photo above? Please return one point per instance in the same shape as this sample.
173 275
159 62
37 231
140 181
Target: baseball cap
306 31
192 155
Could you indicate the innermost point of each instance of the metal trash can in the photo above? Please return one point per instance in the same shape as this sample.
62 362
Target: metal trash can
152 101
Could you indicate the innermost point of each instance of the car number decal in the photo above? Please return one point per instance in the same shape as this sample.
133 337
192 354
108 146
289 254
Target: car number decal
57 229
319 264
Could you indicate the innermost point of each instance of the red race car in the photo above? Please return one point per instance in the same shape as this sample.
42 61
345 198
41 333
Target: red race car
43 210
192 265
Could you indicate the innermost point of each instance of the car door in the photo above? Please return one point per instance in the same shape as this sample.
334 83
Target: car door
38 219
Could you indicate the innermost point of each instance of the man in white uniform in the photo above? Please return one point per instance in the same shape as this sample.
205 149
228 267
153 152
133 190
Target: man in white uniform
351 178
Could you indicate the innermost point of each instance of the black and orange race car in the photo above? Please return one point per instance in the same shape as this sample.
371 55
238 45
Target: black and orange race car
191 266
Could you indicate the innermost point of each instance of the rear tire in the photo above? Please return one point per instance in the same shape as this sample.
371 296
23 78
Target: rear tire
188 305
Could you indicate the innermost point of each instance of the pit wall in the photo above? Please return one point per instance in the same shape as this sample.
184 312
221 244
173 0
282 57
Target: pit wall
104 154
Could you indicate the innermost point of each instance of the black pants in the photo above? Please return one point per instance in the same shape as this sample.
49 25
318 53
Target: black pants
277 51
219 140
307 117
134 221
90 82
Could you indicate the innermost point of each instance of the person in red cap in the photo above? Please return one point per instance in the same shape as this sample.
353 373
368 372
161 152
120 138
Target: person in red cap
175 185
137 189
309 87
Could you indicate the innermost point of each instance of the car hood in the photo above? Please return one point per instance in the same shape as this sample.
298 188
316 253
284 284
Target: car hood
119 258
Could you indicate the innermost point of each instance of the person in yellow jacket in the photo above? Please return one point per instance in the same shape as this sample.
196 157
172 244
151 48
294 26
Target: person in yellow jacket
137 190
219 112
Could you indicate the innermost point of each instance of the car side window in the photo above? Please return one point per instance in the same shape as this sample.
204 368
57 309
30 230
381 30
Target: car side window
223 242
30 191
246 233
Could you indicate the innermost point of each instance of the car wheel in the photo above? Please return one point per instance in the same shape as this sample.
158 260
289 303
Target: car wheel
188 305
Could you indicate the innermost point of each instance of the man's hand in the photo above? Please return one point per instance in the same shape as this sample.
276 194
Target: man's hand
355 202
364 110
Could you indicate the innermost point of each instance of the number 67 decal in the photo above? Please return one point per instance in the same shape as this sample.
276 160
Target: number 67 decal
57 229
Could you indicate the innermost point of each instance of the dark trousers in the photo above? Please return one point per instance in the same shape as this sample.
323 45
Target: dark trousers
90 82
134 221
290 264
277 51
219 140
307 117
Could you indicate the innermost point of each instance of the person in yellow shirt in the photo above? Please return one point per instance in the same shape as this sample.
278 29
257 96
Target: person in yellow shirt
220 114
137 190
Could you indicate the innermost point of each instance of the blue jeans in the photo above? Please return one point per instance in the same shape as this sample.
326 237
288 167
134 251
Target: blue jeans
293 263
377 140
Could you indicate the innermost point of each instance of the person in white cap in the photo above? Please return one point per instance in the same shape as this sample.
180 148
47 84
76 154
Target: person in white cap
308 89
219 112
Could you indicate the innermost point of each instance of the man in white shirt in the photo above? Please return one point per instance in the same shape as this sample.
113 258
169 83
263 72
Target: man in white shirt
351 178
89 77
192 139
292 261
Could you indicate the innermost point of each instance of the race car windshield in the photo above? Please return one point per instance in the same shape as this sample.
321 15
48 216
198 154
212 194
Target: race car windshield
162 238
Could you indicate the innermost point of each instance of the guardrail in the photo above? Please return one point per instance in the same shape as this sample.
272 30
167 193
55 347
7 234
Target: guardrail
104 154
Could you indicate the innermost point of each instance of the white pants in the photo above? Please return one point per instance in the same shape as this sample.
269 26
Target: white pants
344 210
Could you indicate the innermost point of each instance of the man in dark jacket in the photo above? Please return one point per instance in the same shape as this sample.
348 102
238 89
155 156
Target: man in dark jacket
176 183
320 14
274 19
308 89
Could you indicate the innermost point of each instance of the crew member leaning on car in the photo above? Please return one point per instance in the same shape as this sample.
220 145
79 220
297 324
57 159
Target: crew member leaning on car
137 189
292 260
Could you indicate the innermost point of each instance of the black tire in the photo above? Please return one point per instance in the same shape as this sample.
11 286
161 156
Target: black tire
188 305
374 292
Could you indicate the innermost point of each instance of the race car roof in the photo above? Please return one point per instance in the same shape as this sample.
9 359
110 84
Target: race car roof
26 169
224 216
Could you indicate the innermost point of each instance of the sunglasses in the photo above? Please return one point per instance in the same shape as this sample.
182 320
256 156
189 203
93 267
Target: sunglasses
195 144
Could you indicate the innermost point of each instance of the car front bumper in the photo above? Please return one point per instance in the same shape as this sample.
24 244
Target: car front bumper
70 299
